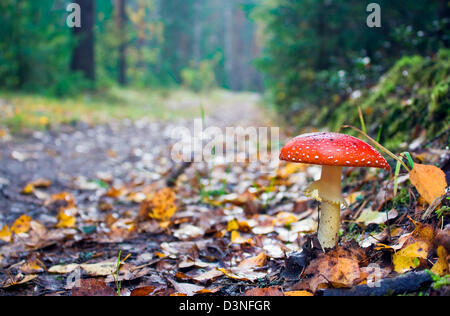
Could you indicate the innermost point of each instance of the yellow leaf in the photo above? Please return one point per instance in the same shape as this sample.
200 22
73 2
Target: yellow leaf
65 221
29 188
238 239
284 218
32 266
406 259
244 226
233 225
298 293
252 262
162 205
230 274
21 225
159 254
351 198
63 196
116 192
6 234
441 266
290 169
40 183
429 181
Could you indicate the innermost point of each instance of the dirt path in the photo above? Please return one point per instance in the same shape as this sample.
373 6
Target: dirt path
86 162
118 149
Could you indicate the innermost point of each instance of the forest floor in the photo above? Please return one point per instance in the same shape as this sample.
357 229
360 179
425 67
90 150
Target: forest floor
101 208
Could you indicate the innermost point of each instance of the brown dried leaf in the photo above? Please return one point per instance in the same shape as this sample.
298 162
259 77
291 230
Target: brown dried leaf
93 287
267 291
429 181
186 288
19 279
336 268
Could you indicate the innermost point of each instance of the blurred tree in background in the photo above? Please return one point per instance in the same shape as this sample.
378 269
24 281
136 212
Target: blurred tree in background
316 52
83 53
141 43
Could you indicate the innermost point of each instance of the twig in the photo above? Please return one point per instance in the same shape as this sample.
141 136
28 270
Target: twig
432 207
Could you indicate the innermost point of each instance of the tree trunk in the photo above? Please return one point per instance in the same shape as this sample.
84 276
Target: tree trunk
197 32
228 43
121 25
83 54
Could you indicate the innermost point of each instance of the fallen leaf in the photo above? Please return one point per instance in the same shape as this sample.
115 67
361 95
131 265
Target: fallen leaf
232 225
161 206
236 238
145 291
209 291
93 287
373 239
28 189
187 263
40 183
441 267
6 234
266 291
186 288
63 268
242 275
368 217
338 268
298 293
21 225
188 231
429 181
252 262
136 197
62 196
407 258
19 279
284 218
208 275
104 268
290 168
65 220
32 266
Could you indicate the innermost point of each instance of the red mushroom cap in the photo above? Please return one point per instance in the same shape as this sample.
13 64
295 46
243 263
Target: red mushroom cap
332 149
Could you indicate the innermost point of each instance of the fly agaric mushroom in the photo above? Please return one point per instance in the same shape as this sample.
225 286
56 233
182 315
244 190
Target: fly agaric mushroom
332 151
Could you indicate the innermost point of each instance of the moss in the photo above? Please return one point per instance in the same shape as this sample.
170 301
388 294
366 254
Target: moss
402 197
413 95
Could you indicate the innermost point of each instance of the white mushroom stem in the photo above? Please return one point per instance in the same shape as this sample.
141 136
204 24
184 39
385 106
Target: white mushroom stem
329 224
327 190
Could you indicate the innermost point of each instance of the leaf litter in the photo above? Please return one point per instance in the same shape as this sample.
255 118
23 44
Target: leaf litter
216 229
